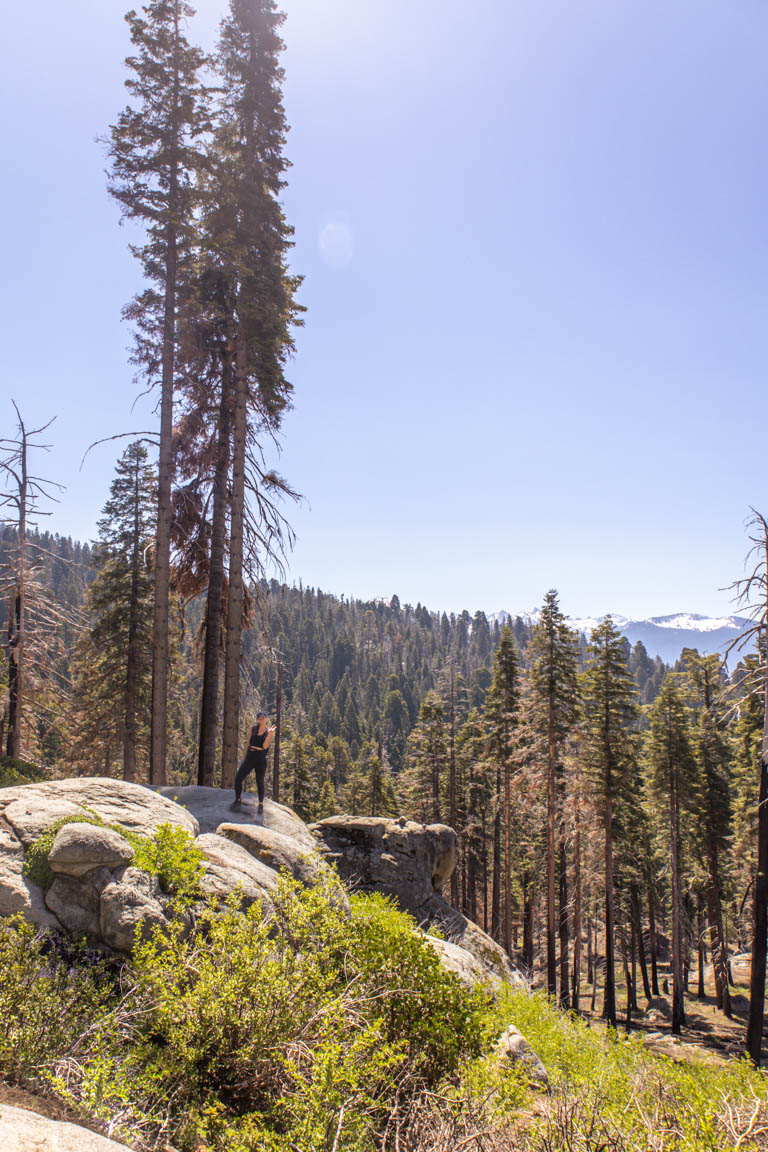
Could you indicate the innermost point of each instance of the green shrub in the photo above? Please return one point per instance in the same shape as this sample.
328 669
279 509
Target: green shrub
418 999
46 1005
170 854
285 1032
313 1028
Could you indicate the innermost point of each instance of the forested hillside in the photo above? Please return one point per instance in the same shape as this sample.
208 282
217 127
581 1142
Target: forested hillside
544 750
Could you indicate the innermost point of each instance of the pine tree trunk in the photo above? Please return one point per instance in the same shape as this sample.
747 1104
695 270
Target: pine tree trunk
160 630
628 981
233 653
577 916
206 766
715 916
485 875
700 952
278 726
17 619
131 655
565 998
507 863
496 863
638 930
759 911
678 995
528 928
653 943
551 953
452 786
609 993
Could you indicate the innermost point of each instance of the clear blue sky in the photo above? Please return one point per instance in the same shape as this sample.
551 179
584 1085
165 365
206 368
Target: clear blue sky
535 242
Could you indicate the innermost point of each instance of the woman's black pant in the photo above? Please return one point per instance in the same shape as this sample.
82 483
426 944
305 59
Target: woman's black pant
257 764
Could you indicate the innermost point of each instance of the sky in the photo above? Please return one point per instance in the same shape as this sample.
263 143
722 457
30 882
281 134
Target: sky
534 241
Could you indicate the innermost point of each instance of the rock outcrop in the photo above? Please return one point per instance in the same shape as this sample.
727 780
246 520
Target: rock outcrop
23 1131
97 891
411 863
27 810
31 808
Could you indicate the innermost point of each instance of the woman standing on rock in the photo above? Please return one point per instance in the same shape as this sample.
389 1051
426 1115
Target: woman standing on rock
255 760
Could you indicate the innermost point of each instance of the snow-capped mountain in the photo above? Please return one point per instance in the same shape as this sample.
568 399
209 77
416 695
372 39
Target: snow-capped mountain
663 636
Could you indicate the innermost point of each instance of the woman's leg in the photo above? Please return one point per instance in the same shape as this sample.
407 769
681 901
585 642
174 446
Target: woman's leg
261 773
242 772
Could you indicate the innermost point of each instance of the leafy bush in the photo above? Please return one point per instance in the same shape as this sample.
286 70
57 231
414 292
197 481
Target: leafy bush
46 1005
292 1031
314 1029
170 854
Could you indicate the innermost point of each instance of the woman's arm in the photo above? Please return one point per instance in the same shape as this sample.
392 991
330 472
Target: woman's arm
268 739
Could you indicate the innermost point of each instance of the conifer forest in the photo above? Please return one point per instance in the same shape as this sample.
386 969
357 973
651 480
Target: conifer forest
611 809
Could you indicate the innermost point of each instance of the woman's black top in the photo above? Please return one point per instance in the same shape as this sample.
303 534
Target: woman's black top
257 753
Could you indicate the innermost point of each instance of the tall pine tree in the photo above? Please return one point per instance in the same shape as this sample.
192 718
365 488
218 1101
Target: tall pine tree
554 696
501 709
609 704
113 662
155 158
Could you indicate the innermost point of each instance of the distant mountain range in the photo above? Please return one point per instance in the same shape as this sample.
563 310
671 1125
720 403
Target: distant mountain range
663 636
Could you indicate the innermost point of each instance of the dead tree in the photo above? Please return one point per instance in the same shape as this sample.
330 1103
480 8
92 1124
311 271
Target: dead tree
752 598
23 493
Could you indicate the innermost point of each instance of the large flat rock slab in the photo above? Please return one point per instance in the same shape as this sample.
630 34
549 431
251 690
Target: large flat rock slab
23 1131
277 851
31 808
213 806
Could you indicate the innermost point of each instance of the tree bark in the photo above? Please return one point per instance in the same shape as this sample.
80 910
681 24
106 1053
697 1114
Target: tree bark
609 985
759 911
700 952
206 766
638 929
507 863
577 920
551 782
17 621
652 942
452 784
160 631
235 591
278 726
678 994
131 655
717 931
528 928
496 862
565 997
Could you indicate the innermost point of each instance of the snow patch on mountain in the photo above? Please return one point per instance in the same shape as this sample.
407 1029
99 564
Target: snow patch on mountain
663 636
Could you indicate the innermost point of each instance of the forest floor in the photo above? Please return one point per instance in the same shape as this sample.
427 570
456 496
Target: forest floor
708 1034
